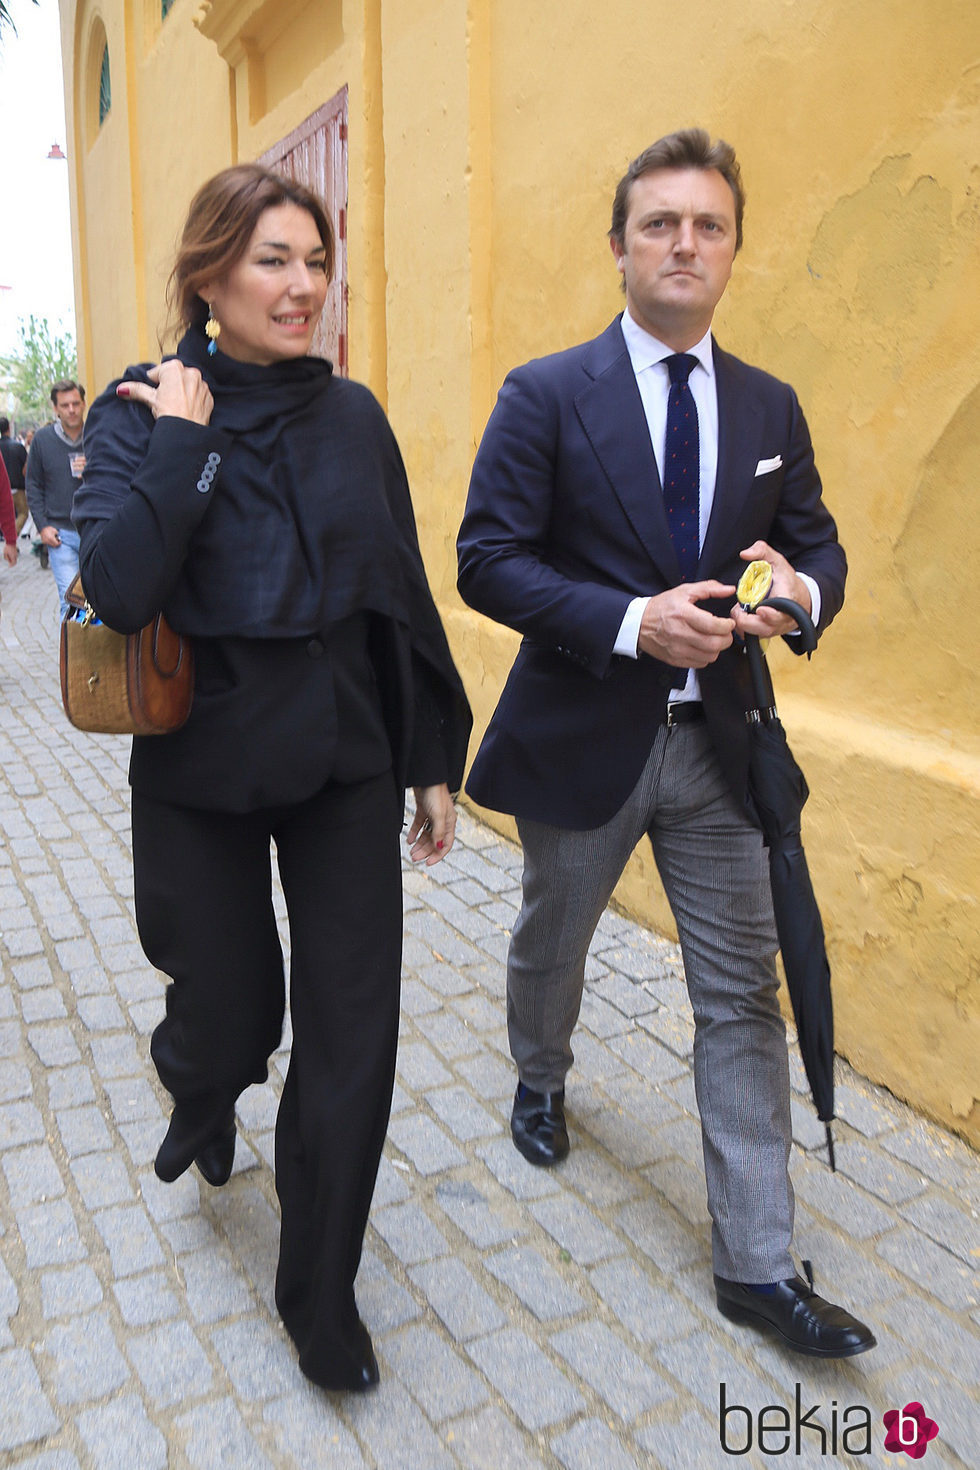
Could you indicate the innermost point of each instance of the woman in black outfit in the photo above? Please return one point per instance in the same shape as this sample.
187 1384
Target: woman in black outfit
262 504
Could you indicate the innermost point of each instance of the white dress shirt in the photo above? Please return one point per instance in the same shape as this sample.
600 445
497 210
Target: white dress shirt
649 360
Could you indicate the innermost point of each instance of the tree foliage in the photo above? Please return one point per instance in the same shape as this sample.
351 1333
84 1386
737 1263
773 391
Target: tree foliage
6 19
45 354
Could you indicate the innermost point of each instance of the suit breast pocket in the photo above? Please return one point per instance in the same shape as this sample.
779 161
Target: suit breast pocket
768 481
763 498
759 508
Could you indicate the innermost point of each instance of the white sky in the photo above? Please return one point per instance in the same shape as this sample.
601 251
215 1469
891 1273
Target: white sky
35 230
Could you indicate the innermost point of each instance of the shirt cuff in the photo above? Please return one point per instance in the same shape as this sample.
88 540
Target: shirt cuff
628 636
814 591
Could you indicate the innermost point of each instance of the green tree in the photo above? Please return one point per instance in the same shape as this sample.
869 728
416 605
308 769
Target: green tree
45 355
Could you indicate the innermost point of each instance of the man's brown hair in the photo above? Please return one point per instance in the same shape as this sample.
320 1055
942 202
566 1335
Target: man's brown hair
688 148
66 385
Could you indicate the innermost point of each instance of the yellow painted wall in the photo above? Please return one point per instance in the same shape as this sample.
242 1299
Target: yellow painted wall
486 139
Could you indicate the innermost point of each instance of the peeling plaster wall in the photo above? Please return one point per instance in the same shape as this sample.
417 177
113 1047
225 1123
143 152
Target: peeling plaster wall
486 138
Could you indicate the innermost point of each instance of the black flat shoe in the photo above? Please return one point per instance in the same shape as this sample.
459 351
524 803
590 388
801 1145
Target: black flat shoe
217 1158
192 1132
805 1322
537 1126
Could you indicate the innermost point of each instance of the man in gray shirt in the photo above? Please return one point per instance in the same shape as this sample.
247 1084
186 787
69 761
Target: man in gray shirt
54 471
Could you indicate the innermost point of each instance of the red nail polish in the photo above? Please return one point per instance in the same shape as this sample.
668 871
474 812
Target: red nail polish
123 390
440 846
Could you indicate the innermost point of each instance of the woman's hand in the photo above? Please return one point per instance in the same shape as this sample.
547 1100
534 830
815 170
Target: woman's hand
432 832
179 392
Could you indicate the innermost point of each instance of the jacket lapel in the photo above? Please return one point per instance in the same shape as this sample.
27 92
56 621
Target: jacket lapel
740 422
611 413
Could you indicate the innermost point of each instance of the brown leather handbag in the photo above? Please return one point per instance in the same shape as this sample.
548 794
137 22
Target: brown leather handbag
123 683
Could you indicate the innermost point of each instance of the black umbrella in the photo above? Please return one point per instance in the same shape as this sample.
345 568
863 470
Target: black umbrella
778 792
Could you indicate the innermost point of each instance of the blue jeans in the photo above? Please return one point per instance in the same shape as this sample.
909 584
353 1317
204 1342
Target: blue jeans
63 561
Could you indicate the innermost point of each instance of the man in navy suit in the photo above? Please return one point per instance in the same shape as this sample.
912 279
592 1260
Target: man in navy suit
619 490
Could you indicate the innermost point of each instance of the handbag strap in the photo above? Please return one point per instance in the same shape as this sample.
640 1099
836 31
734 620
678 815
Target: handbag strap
75 598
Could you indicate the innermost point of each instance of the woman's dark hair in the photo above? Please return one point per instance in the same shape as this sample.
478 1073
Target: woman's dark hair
689 148
221 222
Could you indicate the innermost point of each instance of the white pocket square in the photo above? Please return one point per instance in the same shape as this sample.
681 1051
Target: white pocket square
765 465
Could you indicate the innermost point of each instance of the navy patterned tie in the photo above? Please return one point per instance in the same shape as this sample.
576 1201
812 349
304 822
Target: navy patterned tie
682 466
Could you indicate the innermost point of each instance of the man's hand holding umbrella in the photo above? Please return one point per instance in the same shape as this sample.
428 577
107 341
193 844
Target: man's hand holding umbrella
770 622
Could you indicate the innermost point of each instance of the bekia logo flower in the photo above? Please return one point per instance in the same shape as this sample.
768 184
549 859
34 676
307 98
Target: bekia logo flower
909 1430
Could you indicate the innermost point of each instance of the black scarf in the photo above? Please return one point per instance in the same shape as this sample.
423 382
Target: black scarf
311 520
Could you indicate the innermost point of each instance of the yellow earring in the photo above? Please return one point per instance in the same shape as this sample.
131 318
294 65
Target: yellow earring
212 330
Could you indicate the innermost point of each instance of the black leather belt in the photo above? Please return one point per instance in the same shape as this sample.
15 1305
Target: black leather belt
684 712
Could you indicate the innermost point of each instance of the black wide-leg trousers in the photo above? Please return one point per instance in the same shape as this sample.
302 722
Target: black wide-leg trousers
204 911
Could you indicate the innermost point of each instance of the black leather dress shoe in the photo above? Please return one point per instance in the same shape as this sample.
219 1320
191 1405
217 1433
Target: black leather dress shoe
192 1136
217 1158
806 1322
537 1125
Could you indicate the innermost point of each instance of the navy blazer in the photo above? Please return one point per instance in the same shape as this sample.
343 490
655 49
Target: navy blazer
565 524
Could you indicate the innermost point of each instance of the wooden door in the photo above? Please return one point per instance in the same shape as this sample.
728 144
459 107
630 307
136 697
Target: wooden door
315 154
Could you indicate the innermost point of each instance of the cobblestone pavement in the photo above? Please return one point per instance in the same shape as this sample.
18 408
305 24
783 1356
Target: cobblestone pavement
522 1318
